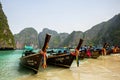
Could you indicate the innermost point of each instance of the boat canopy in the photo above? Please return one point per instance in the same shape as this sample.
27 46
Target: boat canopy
28 48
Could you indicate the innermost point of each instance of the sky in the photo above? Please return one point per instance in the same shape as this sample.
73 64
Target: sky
59 15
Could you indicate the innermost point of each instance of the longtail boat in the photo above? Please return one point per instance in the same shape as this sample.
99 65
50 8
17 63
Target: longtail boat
33 60
62 59
111 51
90 53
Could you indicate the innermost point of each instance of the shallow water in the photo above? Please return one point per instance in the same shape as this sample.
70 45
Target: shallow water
103 68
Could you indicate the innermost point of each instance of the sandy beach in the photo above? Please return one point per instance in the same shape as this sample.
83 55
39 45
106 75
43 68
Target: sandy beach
103 68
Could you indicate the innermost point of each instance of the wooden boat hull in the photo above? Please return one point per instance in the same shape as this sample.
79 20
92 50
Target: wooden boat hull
111 52
32 61
82 55
95 54
115 54
62 60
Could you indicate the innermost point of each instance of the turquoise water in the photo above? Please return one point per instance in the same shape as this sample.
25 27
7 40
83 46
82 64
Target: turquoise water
9 65
103 68
10 69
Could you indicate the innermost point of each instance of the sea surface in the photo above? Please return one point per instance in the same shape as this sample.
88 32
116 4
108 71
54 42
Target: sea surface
10 68
103 68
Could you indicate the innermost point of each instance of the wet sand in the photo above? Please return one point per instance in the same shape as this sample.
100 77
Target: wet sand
103 68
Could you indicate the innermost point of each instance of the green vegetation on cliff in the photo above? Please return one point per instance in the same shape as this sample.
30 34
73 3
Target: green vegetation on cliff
108 31
6 37
56 38
27 36
72 39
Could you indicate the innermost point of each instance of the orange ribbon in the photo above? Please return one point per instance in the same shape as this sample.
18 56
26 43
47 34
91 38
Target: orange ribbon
44 65
44 60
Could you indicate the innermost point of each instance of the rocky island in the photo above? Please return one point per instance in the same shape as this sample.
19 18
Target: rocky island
6 36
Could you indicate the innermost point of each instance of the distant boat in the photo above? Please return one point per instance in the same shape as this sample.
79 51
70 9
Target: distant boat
31 59
111 51
94 54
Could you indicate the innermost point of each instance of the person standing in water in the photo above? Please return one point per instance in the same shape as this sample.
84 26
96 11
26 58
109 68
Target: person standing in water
115 49
88 51
104 52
